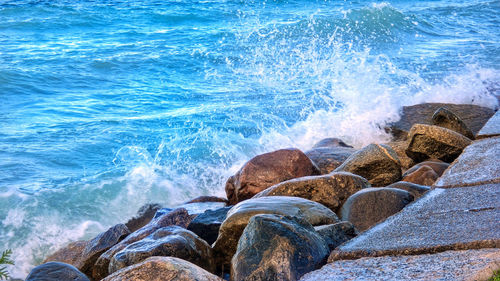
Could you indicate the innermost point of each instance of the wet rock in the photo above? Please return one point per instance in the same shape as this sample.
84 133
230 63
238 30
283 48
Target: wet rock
330 190
202 199
207 225
437 165
426 141
238 217
372 205
331 142
143 216
179 217
377 163
194 209
274 247
328 159
56 271
447 119
266 170
400 148
414 189
70 254
161 269
337 233
172 241
423 175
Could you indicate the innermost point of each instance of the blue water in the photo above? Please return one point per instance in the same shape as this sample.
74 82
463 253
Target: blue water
107 105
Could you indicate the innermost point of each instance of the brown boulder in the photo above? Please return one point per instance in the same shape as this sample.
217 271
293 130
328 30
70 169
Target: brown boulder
414 189
328 159
266 170
400 148
427 141
337 233
447 119
203 199
424 175
331 142
437 165
329 190
378 163
144 215
70 254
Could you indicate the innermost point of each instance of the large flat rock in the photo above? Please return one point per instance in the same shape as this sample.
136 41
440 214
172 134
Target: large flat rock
444 219
492 127
451 265
478 164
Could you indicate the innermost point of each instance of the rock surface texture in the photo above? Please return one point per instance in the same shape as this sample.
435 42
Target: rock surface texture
144 215
331 142
336 234
378 163
423 175
331 190
400 148
414 189
492 127
449 120
280 248
329 158
56 271
70 254
207 225
266 170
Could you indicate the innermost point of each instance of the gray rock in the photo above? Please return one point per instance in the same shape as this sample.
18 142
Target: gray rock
437 165
56 271
238 217
207 225
331 142
144 215
378 163
423 175
329 158
447 119
469 265
275 247
372 205
266 170
426 141
172 241
444 219
336 234
161 269
492 127
414 189
330 190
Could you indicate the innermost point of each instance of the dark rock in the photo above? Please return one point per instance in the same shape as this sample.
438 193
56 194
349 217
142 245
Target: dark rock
437 165
161 269
426 141
472 115
172 241
447 119
331 142
194 209
328 159
266 170
372 205
143 216
70 254
56 271
238 217
330 190
275 247
400 148
179 217
336 234
377 163
414 189
202 199
424 175
207 225
492 127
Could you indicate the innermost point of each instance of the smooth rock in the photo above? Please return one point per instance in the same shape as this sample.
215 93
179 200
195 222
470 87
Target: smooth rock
238 217
70 254
56 271
437 165
414 189
337 233
274 247
194 209
492 127
161 269
400 148
372 205
331 142
202 199
266 170
424 175
171 241
468 265
426 141
207 225
328 159
378 163
330 190
447 119
144 215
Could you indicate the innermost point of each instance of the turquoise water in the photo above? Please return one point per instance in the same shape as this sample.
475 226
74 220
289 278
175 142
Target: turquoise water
107 105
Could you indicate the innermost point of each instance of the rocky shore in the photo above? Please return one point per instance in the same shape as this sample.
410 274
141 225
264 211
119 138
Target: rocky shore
425 206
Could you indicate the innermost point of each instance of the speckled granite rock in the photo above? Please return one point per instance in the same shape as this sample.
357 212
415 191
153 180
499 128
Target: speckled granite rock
449 120
423 175
468 265
329 158
492 127
337 233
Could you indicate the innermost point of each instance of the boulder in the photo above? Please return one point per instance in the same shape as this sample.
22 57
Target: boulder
447 119
178 217
372 205
378 163
162 268
70 254
414 189
437 165
238 217
202 199
329 190
207 225
400 148
427 141
56 271
143 216
171 241
274 247
337 233
328 159
197 208
423 175
266 170
331 142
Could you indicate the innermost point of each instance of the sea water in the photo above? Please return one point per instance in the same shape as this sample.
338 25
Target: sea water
108 105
